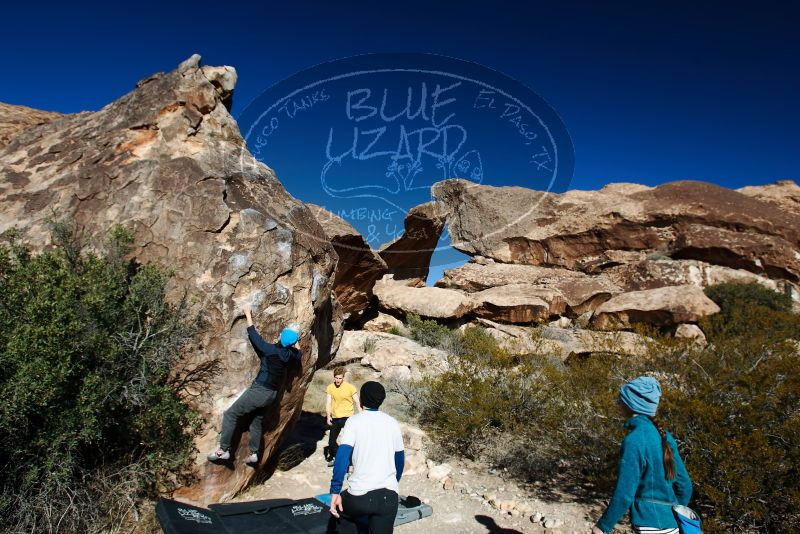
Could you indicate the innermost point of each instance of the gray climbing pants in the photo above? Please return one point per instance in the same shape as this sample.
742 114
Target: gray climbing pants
253 401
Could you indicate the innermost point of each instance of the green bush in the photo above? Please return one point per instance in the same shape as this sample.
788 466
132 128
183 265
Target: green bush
750 310
428 332
89 410
734 407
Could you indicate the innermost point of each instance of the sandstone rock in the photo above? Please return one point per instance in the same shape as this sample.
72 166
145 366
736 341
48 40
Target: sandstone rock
408 257
15 119
167 160
684 220
665 306
586 342
439 472
561 322
358 267
518 303
652 274
448 484
580 291
387 353
384 323
432 302
561 342
691 332
415 464
785 194
413 438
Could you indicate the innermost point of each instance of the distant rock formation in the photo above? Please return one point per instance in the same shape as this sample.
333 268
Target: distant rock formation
168 161
588 230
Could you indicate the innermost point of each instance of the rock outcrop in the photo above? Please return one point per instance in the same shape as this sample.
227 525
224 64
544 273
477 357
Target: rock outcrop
16 119
579 229
665 306
358 267
167 160
431 302
408 257
785 194
395 357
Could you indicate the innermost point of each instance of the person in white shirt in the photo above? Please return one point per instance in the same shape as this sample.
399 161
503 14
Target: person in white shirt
373 443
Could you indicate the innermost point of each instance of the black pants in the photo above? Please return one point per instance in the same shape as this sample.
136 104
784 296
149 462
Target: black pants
337 424
255 399
379 505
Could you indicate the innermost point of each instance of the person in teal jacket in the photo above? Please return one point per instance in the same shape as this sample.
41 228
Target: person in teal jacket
652 476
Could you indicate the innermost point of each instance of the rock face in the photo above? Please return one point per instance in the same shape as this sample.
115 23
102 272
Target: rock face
358 267
394 356
785 194
665 306
408 257
519 303
167 161
578 229
16 119
580 292
433 302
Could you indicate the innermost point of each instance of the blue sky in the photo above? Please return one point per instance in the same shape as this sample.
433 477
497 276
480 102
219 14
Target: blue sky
650 92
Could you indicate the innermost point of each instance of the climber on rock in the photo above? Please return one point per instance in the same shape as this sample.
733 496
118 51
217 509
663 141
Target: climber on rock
274 360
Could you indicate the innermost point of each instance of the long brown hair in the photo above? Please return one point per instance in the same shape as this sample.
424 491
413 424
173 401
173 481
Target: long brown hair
669 458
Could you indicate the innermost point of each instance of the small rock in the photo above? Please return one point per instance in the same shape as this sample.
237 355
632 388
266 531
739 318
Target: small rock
561 322
439 472
448 484
552 522
536 517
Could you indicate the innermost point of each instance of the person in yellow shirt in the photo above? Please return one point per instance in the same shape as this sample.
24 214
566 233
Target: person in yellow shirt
341 399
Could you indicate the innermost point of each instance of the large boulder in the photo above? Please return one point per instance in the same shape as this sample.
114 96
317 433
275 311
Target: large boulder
519 303
167 160
358 267
665 306
409 256
580 291
655 273
432 302
577 229
393 356
562 343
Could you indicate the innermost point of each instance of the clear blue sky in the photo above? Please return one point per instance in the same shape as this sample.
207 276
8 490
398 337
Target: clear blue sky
650 91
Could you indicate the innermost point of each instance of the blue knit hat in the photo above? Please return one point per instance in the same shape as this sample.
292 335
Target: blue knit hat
290 335
641 395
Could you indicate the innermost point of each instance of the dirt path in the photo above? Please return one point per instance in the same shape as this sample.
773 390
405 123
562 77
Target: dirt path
463 508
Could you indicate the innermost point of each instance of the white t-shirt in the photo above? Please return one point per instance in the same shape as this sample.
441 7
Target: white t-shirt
375 437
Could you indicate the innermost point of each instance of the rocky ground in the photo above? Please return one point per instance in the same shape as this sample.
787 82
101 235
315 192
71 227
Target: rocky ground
466 497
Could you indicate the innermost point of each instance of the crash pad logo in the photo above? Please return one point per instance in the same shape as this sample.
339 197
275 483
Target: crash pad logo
194 515
306 509
366 137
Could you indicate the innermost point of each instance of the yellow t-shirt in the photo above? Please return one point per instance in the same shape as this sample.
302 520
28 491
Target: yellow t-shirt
341 399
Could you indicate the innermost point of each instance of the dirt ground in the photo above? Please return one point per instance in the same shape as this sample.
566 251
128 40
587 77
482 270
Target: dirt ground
463 508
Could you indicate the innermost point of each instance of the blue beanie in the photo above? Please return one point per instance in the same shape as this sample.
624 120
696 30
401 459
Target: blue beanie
289 336
641 395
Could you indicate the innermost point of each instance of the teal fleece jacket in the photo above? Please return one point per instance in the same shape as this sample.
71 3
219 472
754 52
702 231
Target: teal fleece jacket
641 479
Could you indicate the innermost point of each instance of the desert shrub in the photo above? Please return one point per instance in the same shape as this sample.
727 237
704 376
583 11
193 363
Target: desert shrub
91 420
428 332
750 310
736 409
733 406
